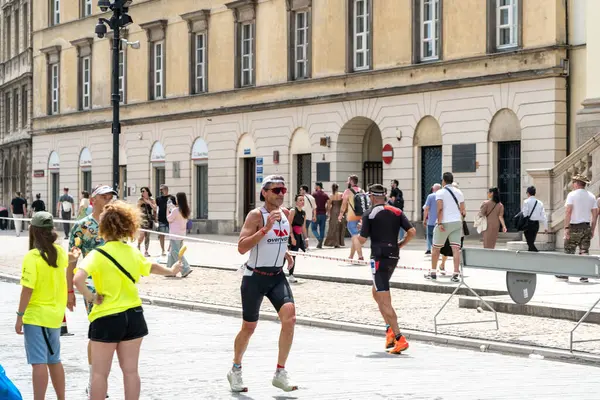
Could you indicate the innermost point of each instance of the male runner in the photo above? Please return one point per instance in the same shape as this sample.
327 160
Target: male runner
265 234
86 230
381 223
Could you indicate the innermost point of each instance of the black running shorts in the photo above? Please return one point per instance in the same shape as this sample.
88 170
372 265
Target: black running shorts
120 327
256 286
382 270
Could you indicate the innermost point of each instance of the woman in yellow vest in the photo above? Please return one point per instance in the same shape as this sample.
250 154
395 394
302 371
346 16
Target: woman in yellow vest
117 319
42 305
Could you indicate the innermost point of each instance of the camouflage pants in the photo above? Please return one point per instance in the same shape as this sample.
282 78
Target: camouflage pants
580 236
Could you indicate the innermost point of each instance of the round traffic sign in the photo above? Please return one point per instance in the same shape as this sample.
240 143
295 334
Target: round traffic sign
387 154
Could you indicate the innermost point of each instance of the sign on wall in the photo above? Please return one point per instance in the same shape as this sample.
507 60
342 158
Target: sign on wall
199 150
387 153
85 159
464 157
158 153
54 161
323 172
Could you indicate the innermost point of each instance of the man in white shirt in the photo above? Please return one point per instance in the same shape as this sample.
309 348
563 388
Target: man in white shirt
580 219
450 209
310 208
534 209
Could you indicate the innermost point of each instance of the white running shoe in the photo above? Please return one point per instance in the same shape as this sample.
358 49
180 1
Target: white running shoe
292 279
234 376
282 381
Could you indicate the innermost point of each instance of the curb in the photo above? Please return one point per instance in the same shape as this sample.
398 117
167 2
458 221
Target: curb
534 310
420 336
421 287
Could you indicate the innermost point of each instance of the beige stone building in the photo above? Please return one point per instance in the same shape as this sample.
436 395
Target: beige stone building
15 94
221 94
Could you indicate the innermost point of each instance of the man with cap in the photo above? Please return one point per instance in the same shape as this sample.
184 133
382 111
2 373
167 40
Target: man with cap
381 223
86 230
580 219
265 234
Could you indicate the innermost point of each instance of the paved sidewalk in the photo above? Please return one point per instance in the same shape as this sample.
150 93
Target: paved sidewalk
187 355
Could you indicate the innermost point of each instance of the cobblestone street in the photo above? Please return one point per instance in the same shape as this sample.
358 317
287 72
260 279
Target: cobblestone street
187 355
353 303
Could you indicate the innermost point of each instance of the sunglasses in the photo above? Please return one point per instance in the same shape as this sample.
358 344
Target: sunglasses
279 190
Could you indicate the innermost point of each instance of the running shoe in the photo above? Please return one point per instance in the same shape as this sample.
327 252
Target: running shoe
390 339
455 278
401 345
292 279
282 381
234 376
186 273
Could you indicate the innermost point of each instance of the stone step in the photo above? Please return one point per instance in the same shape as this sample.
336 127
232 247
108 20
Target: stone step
522 246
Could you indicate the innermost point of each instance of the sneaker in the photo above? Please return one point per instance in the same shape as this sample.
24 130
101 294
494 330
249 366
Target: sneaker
428 253
400 346
455 278
186 273
442 269
584 280
390 339
562 277
431 277
292 279
234 376
282 381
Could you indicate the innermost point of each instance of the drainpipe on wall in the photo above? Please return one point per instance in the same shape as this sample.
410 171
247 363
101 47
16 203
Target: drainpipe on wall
568 77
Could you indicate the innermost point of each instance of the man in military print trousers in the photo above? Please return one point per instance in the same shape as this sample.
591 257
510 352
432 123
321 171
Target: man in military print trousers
581 236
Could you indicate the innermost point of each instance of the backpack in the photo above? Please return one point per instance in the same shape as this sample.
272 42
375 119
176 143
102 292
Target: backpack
8 390
66 206
361 203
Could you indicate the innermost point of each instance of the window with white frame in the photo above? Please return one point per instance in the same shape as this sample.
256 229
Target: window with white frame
507 16
360 34
54 88
200 61
122 82
158 70
301 45
430 29
85 83
86 8
247 55
55 12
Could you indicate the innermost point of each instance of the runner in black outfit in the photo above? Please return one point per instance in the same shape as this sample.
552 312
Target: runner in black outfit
381 223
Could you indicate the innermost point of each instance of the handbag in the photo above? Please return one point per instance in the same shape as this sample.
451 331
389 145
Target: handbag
123 270
464 223
521 221
481 221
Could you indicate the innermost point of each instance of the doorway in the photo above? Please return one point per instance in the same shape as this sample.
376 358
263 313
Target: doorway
54 191
431 171
249 185
86 181
159 179
303 171
372 173
202 191
509 180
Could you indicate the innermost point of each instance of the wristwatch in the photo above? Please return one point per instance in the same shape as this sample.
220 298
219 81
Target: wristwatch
20 314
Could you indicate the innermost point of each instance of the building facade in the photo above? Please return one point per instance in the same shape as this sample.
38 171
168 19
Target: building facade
221 94
15 99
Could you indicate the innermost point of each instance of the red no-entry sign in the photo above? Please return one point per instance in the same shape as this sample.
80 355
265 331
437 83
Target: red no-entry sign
387 154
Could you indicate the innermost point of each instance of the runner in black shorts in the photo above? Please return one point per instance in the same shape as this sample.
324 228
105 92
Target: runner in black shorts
381 223
265 234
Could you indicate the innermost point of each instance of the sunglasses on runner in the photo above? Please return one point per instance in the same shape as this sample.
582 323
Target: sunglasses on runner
279 190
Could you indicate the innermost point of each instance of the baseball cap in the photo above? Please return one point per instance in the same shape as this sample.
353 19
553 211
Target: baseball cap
104 189
42 219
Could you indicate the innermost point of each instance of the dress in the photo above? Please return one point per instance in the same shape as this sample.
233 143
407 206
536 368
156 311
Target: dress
493 212
335 233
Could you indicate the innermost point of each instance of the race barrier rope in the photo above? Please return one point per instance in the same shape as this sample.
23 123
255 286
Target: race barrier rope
216 242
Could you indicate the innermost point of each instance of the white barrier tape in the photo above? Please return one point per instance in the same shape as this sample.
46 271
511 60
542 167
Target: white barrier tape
199 240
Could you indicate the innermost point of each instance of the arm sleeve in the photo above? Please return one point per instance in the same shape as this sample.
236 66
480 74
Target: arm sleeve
145 265
29 271
569 200
405 223
172 216
365 230
90 263
525 208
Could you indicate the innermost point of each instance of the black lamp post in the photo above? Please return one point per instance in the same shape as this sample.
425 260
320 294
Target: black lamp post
118 20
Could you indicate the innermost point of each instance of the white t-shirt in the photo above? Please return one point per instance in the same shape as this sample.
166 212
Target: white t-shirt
451 211
583 203
309 206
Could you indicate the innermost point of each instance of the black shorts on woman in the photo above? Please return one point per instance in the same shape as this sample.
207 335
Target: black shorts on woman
119 327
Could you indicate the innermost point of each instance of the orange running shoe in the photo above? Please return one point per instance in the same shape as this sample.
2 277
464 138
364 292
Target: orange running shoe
400 346
390 339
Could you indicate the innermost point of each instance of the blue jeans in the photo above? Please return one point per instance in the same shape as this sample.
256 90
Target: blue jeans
173 257
320 224
430 229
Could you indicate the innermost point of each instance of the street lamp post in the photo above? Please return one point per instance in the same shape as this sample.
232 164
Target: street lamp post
118 20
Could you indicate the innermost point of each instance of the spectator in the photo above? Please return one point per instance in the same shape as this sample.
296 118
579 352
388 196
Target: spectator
534 209
83 204
3 214
18 207
352 218
298 223
310 208
163 205
336 230
320 219
177 216
397 200
147 205
38 205
65 207
430 216
493 210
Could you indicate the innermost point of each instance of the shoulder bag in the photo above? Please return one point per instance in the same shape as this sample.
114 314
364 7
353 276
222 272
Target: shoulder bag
464 223
522 221
116 263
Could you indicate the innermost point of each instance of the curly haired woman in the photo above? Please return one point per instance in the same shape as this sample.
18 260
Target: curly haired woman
117 319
